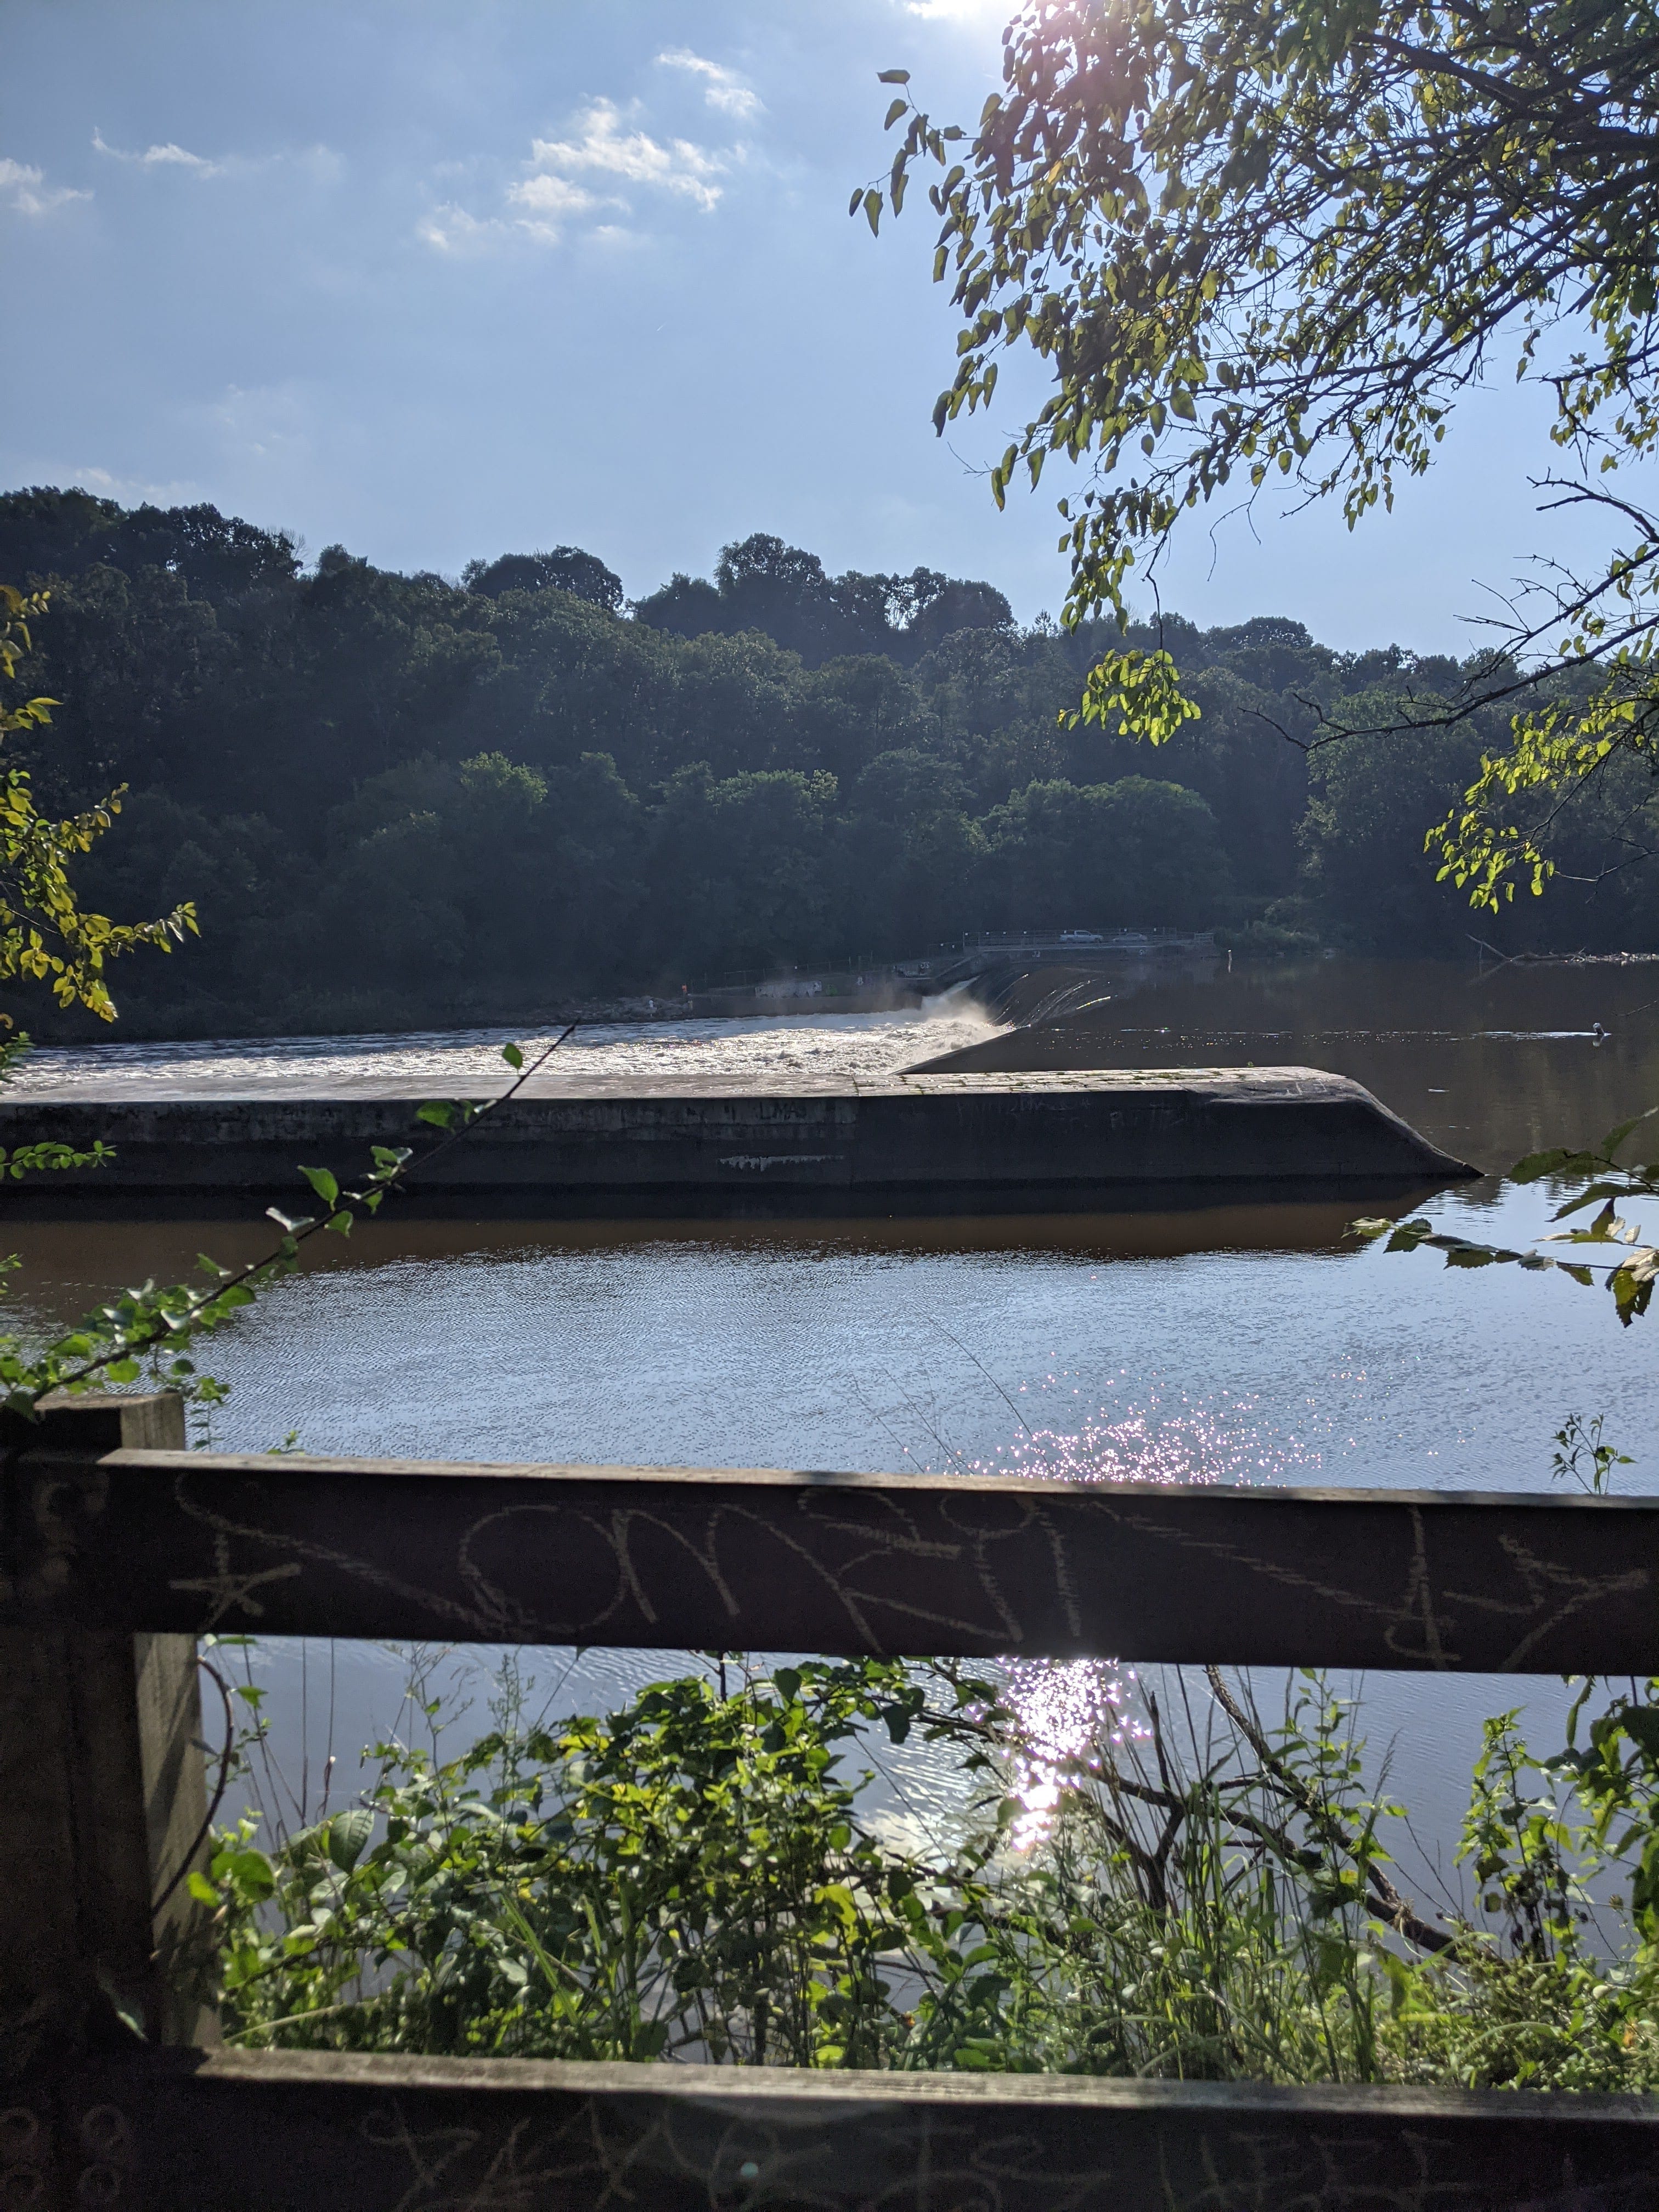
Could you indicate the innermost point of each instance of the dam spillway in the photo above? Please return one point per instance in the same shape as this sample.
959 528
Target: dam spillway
917 1142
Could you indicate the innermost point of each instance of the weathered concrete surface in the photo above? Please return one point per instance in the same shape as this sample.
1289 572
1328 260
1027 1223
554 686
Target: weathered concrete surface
1062 1139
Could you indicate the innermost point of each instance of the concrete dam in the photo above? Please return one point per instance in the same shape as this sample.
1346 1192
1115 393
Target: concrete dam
918 1142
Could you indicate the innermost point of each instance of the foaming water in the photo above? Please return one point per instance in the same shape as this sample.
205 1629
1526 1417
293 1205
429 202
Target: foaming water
467 1063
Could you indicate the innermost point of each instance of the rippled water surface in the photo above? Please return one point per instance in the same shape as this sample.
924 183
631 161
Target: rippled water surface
1255 1344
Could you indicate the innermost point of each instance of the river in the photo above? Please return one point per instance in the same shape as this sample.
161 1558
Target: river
1253 1343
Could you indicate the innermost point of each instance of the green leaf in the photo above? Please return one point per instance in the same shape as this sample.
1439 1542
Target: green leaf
348 1836
513 1056
1616 1136
249 1873
1536 1165
893 76
1370 1227
438 1111
322 1183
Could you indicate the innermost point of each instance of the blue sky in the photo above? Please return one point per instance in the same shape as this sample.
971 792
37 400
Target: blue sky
444 281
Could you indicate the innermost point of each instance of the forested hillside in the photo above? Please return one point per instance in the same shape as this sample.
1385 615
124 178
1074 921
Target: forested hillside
397 799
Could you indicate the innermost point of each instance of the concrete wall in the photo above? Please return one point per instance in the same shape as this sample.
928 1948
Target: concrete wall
961 1139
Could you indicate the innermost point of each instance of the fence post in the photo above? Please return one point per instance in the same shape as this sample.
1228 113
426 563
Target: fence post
102 1790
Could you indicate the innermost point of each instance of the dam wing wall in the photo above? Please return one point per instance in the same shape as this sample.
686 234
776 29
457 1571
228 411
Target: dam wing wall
952 1142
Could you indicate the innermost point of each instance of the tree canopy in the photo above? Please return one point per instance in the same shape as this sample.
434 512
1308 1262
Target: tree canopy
397 801
762 584
566 568
1256 240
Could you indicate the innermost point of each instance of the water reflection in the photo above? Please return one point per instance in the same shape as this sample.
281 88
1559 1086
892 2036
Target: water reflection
1489 1063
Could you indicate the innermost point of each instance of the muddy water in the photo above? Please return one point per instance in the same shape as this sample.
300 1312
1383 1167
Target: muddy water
1233 1344
1490 1062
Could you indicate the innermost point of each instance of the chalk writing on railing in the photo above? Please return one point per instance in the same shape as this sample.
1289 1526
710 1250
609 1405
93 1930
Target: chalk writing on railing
774 1560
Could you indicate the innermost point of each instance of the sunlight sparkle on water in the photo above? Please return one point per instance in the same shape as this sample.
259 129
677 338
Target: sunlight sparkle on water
1072 1710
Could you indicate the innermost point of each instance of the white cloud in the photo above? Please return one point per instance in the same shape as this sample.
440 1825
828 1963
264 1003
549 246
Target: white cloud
721 88
542 206
451 229
170 156
25 188
552 196
604 145
550 203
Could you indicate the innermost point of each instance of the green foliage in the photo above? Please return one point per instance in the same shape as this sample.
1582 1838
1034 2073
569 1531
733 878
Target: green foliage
1135 846
1603 1182
1591 753
687 1877
46 935
1581 1457
160 1325
396 802
1253 245
47 1158
695 1877
1615 1773
1142 690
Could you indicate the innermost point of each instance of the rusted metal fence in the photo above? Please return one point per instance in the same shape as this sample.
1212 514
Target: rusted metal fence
118 1549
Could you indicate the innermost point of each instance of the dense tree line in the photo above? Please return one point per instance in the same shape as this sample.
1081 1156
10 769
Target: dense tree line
397 799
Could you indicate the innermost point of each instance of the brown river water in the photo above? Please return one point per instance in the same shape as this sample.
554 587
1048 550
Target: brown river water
1249 1343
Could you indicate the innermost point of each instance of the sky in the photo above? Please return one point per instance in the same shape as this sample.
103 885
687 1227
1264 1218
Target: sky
439 281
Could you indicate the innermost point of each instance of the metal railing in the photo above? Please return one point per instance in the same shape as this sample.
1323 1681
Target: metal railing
1094 941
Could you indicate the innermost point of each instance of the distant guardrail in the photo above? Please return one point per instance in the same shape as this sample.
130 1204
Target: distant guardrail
1031 941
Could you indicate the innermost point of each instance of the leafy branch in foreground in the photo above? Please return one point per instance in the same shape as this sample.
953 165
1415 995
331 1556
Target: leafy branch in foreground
1256 246
111 1343
1606 1183
50 1154
46 936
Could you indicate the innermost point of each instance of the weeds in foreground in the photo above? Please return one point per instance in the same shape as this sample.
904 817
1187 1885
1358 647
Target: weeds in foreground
702 1876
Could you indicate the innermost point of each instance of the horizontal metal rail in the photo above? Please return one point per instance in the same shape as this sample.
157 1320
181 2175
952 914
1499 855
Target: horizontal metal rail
761 1559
